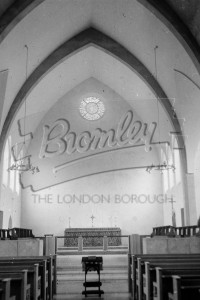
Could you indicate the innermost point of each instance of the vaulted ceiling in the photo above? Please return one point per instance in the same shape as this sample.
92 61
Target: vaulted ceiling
135 47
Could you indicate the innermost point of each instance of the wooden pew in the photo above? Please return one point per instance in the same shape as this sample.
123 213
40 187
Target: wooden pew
5 290
18 284
138 263
158 275
185 287
33 277
163 282
51 268
42 271
134 268
52 265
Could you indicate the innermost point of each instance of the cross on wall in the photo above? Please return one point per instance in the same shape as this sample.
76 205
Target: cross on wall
92 218
173 211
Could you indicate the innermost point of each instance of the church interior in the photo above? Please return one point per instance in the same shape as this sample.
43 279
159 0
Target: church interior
100 144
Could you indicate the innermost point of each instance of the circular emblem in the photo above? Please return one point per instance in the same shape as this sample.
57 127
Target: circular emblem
92 108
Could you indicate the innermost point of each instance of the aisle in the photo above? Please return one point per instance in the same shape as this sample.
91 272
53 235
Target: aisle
114 278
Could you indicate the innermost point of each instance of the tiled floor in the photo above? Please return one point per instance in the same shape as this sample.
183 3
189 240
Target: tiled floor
108 296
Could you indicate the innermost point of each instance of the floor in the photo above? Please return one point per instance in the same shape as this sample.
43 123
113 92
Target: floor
108 296
114 278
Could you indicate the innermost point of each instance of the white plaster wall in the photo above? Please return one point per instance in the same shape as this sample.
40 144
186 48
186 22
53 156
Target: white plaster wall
135 196
10 204
174 194
10 192
126 199
197 181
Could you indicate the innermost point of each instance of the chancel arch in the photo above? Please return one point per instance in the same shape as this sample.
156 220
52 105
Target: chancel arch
94 42
117 167
81 53
84 39
99 138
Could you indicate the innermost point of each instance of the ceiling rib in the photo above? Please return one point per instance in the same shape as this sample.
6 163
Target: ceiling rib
72 46
14 14
166 15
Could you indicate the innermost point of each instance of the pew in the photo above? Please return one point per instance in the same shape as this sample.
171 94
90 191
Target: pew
137 277
157 257
42 272
51 267
5 290
18 284
184 231
158 275
163 282
33 277
185 287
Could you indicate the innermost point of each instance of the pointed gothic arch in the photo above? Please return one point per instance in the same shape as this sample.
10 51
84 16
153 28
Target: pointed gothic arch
83 40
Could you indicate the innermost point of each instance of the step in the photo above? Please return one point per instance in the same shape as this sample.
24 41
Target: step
111 264
114 276
92 283
89 292
78 268
112 295
68 260
81 277
91 252
108 285
77 271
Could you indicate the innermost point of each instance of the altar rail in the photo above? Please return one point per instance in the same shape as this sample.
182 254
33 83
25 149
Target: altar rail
105 245
185 231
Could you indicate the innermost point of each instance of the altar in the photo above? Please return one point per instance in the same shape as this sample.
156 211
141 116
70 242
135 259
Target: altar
92 236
